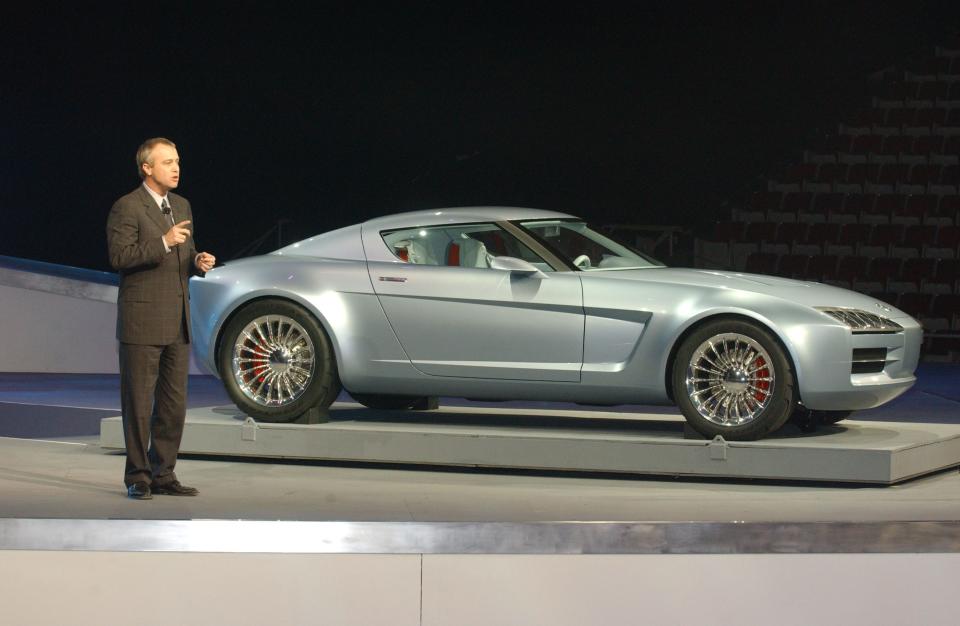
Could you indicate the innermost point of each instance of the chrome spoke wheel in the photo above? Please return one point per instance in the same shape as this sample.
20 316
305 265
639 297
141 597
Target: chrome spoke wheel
730 379
273 360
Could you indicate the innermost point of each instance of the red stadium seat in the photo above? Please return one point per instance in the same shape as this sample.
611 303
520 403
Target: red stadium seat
950 175
829 172
822 267
914 209
826 203
923 173
865 117
943 213
728 231
761 231
791 232
947 237
896 90
766 200
927 144
849 211
892 173
886 234
854 234
761 263
888 203
946 305
850 268
885 267
822 233
918 235
814 212
955 86
947 271
799 172
900 116
865 144
943 344
797 201
932 116
840 143
793 265
878 211
895 144
856 173
932 90
886 296
950 206
916 304
918 270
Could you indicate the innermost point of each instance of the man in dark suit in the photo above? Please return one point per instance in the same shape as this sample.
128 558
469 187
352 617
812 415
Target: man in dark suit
151 245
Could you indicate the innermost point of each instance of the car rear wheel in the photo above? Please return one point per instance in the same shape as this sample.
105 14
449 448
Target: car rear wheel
732 378
276 362
387 402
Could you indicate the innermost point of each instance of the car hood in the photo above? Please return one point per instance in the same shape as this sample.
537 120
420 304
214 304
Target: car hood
799 291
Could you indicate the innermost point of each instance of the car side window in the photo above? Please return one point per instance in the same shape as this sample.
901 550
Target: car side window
462 245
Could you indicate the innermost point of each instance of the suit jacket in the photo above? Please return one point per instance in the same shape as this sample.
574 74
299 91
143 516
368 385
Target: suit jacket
154 298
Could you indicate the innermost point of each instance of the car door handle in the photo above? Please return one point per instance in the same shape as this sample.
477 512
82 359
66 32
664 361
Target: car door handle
392 279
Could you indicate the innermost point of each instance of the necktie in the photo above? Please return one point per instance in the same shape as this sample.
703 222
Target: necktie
165 209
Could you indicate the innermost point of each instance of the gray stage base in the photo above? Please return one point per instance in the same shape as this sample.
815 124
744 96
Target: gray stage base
581 441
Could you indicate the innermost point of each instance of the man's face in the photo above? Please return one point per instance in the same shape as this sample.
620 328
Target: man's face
163 169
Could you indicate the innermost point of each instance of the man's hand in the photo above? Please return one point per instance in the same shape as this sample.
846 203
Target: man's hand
177 234
205 261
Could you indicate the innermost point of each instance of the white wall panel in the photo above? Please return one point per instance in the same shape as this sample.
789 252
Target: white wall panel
590 590
161 589
48 332
476 590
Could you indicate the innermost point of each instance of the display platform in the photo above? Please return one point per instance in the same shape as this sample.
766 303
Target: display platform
581 441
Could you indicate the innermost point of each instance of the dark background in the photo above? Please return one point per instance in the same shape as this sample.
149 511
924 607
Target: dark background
330 113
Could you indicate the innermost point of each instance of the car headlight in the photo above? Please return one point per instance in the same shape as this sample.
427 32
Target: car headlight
862 321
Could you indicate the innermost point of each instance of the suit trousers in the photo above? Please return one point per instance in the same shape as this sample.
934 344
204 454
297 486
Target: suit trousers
153 402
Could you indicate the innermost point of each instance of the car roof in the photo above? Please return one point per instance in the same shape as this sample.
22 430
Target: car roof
461 215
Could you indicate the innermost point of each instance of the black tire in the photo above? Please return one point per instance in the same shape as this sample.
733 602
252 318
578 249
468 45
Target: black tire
767 407
317 390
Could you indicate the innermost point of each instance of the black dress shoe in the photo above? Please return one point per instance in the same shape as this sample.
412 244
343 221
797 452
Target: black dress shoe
173 489
139 491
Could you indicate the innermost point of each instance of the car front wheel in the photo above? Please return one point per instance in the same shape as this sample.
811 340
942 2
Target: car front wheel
277 362
732 378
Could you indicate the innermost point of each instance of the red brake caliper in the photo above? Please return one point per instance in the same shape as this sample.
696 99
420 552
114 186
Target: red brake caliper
762 385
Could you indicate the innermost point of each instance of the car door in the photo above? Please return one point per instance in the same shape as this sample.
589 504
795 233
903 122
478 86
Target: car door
454 315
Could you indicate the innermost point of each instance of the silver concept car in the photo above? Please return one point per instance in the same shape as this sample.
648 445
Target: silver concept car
511 303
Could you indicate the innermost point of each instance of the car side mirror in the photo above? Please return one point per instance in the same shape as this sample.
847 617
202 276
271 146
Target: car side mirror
515 266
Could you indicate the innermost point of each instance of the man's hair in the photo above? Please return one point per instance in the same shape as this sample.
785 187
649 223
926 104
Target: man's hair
145 152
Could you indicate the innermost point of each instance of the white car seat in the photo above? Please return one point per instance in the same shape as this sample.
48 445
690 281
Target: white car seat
473 253
416 252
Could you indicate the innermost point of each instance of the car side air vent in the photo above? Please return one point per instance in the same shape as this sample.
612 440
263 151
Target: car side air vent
869 360
862 322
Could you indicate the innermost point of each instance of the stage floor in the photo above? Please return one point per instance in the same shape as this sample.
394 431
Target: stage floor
572 441
76 478
52 466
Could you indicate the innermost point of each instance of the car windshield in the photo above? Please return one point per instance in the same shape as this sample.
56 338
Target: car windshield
587 249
